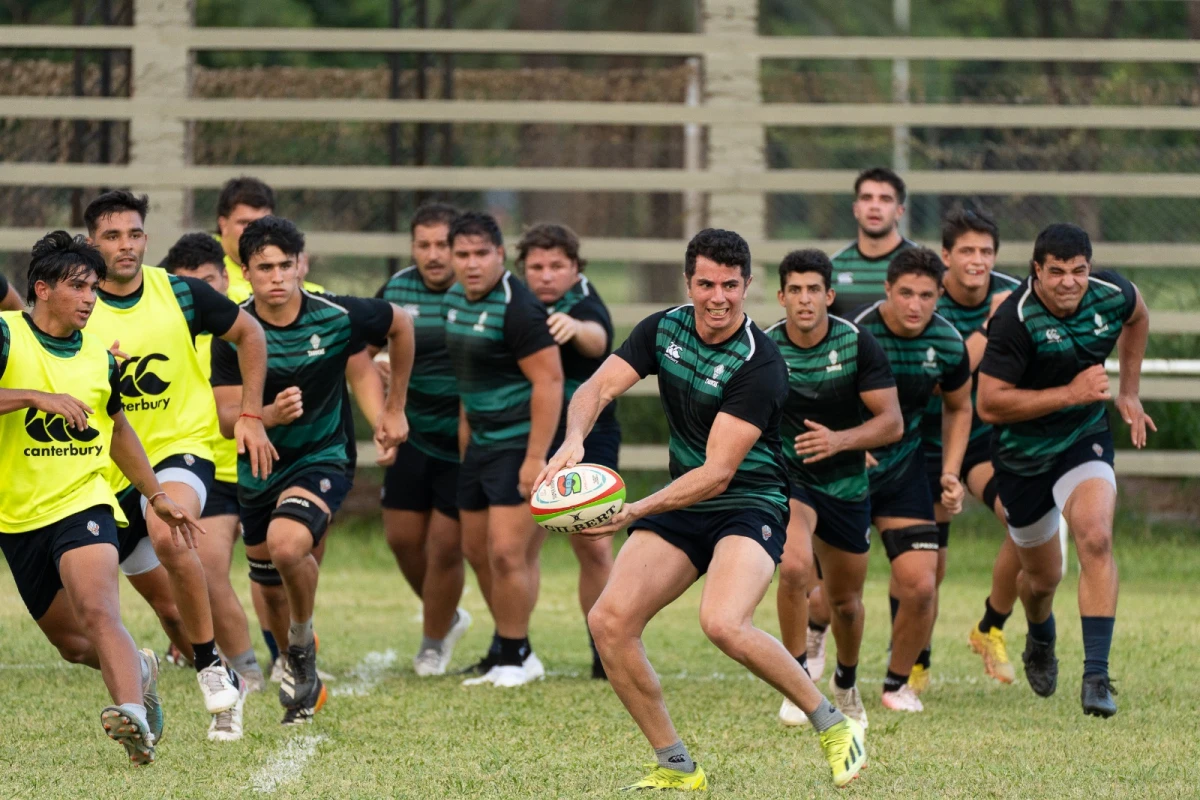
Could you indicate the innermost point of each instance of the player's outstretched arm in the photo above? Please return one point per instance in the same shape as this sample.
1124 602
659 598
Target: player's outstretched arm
130 457
1002 403
1131 349
885 426
249 431
729 440
392 428
610 381
544 371
956 431
74 411
366 384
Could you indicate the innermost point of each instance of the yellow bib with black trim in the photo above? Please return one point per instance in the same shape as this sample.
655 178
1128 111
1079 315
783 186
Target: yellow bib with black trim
224 450
166 395
49 470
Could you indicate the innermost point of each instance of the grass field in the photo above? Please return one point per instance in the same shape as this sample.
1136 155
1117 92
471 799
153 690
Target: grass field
386 734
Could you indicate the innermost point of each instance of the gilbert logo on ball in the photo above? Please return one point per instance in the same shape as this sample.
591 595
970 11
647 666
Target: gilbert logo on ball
578 498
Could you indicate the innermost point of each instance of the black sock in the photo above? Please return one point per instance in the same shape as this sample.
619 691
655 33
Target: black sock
1043 632
204 654
923 657
992 618
845 677
894 602
1097 641
494 647
802 660
894 681
269 638
513 652
816 627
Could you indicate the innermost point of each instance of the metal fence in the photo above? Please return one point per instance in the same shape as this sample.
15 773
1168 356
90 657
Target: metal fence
740 182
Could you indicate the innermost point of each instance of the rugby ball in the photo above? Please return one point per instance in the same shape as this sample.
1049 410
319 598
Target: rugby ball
577 498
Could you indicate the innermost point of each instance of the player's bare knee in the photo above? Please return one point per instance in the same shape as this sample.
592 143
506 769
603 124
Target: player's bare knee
1093 543
508 558
728 632
848 610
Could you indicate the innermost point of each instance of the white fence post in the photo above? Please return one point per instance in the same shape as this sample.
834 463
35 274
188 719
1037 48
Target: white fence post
162 72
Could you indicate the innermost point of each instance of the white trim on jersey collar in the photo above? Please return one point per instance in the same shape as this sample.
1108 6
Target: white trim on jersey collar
1105 283
868 310
507 288
587 287
1021 302
843 319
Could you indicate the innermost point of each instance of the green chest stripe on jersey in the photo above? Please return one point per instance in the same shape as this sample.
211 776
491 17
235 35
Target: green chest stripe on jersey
692 377
823 388
432 407
966 320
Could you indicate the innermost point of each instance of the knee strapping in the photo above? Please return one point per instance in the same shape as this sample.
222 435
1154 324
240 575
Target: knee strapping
264 573
899 541
304 511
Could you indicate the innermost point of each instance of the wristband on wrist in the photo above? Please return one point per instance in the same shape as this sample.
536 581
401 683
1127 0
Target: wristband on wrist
250 416
150 499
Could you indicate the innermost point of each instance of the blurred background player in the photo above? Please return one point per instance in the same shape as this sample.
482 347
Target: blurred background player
199 256
420 510
58 513
151 318
841 402
310 337
9 299
723 384
860 268
548 256
972 290
927 356
510 382
1043 385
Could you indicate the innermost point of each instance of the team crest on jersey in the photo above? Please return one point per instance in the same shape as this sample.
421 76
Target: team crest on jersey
834 366
316 350
452 315
1052 335
1098 450
930 359
325 485
479 326
1101 325
766 532
718 371
93 528
189 459
412 309
674 351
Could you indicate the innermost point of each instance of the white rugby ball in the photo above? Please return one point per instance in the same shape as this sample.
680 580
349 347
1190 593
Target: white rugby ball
577 498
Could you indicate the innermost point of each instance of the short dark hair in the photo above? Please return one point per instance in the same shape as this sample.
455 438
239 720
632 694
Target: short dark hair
882 175
810 260
432 213
916 261
267 231
548 236
114 203
476 223
192 251
244 191
58 256
724 247
1062 240
961 221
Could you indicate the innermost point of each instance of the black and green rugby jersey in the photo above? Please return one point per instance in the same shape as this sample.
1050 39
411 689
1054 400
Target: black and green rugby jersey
966 320
432 407
205 309
64 347
310 353
486 338
583 302
1031 348
825 384
857 279
936 357
743 376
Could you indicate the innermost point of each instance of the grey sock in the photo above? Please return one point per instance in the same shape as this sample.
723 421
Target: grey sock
300 634
675 757
246 662
825 716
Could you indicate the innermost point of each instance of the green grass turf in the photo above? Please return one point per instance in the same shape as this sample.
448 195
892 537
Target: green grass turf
570 737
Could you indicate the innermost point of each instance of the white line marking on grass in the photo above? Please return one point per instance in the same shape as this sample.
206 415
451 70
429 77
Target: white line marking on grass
286 764
367 674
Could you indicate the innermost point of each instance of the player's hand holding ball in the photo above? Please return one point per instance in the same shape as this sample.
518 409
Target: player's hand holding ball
583 499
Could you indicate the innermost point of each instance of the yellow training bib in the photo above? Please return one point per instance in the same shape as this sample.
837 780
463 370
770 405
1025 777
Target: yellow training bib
164 389
50 470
